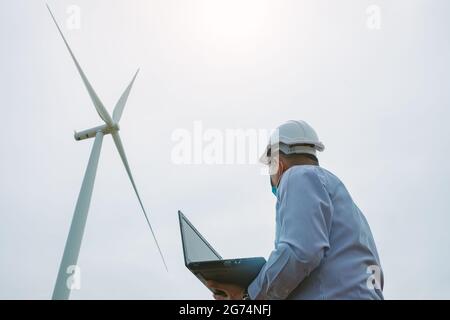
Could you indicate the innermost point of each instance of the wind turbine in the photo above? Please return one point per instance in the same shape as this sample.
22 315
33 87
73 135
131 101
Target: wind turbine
71 251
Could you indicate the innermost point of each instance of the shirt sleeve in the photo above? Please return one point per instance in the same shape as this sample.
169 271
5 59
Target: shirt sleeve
305 211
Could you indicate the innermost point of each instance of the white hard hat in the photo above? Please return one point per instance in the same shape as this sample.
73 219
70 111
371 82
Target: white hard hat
293 137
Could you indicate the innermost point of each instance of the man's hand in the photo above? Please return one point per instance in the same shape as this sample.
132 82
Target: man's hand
233 292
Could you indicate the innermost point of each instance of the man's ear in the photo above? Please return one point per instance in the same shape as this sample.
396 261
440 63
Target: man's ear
283 165
274 165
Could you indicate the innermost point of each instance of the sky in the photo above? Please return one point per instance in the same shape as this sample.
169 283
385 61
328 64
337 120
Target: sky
370 76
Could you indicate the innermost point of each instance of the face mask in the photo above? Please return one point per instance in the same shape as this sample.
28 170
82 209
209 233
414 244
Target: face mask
274 188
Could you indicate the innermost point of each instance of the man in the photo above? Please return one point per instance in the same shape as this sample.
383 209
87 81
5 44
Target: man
324 248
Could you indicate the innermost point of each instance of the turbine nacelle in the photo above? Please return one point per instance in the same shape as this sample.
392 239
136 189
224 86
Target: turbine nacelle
91 133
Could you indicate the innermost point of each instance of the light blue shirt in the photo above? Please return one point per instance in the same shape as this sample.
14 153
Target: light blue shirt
324 248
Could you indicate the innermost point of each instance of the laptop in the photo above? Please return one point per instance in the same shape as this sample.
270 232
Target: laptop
207 264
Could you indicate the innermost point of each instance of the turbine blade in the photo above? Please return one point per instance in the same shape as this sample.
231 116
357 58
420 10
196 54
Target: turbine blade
118 143
120 105
73 242
101 110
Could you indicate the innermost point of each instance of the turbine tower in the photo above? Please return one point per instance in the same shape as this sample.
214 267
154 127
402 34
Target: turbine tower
111 126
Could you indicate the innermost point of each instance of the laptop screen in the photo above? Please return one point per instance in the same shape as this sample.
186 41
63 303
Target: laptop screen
195 247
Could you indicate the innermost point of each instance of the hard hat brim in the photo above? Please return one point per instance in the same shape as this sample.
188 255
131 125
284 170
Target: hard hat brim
295 149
